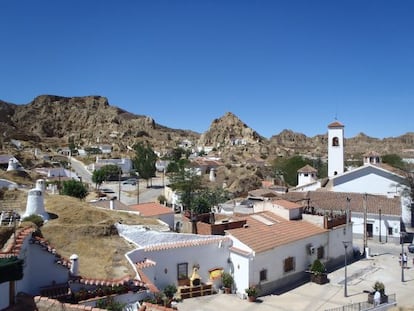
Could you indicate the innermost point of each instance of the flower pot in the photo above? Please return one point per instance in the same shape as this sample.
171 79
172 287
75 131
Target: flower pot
251 298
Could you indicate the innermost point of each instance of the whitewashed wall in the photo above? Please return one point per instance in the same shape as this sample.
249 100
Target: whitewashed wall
336 250
368 179
208 257
39 269
386 222
4 295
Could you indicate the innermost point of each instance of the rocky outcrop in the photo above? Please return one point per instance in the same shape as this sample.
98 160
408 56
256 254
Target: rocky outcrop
91 120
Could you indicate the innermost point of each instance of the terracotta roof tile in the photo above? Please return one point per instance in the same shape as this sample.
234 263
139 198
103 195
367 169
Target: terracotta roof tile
336 124
286 204
151 209
307 169
261 236
337 201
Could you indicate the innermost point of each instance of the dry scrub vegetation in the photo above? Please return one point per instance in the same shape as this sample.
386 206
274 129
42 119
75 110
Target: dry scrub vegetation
77 228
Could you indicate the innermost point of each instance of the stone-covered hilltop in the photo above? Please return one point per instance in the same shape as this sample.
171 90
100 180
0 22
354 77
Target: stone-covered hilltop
91 119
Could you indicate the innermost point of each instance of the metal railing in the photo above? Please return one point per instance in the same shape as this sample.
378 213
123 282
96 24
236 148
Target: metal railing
365 305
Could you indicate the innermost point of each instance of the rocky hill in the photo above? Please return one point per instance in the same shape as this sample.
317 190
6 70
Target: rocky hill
55 120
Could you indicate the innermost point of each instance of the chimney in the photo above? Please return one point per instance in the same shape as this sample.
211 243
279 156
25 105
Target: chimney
74 267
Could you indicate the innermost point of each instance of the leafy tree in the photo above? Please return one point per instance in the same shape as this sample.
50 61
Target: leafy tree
74 188
98 177
207 198
176 154
186 182
394 160
111 171
144 161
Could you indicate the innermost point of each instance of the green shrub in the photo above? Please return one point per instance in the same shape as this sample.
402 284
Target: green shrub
318 267
36 219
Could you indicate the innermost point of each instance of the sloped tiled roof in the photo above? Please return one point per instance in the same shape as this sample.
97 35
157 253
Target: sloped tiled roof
262 236
151 209
286 204
307 169
335 124
336 201
13 246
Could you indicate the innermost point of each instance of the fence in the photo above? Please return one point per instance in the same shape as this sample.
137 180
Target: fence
365 305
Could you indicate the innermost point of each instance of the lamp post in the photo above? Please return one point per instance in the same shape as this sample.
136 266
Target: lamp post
380 225
119 184
137 188
346 244
402 235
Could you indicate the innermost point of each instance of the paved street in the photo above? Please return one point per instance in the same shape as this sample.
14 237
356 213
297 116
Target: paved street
382 266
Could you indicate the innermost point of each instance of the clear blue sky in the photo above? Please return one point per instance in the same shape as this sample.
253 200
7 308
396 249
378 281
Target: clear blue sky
275 64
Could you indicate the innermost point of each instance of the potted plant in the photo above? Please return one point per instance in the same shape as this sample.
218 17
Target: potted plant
378 287
227 280
252 292
318 272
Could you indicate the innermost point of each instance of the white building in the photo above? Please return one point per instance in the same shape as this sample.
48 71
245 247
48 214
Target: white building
271 251
335 149
372 178
167 257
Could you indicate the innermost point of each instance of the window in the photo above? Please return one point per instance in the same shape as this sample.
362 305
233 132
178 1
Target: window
182 271
263 275
335 141
289 264
320 252
389 230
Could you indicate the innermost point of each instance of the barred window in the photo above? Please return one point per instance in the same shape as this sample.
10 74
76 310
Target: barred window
321 252
289 264
263 275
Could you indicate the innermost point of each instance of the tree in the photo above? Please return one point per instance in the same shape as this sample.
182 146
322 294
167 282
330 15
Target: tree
98 177
74 188
288 167
186 182
111 171
394 160
206 199
144 161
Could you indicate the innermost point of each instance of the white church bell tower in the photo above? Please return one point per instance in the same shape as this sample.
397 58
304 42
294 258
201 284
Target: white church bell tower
335 149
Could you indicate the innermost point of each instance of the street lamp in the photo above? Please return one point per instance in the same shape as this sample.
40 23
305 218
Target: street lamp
137 188
402 235
346 244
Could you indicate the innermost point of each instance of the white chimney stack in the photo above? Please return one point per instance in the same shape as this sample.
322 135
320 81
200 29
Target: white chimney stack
74 267
35 201
12 165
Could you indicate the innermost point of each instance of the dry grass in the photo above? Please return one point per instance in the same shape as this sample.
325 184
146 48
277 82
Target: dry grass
77 228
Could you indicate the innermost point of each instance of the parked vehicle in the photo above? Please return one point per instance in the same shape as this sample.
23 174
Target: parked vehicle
411 248
130 182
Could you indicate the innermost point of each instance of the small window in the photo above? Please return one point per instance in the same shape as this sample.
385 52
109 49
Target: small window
335 141
263 275
306 174
320 252
389 230
289 264
182 271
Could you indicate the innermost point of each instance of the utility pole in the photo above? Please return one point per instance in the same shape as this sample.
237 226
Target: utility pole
380 225
364 202
348 209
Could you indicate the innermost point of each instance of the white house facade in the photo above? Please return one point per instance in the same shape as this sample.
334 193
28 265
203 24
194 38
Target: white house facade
272 252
